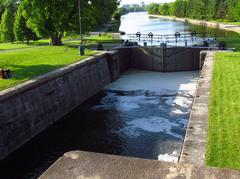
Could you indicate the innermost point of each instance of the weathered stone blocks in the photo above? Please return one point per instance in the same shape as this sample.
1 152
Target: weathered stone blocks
31 107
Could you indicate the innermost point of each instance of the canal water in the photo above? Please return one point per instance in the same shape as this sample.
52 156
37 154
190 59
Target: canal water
143 114
141 22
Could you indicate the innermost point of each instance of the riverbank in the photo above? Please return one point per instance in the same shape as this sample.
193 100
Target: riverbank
229 27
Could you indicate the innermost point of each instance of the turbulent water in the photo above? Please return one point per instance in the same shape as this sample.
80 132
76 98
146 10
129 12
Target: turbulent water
143 114
152 124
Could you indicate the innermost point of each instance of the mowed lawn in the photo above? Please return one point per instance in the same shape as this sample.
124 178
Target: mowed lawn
7 46
31 62
20 45
223 148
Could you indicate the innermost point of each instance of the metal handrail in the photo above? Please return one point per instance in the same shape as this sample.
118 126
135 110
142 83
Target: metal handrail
160 38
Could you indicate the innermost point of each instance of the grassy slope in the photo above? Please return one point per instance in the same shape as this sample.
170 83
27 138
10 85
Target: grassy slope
26 62
31 62
224 118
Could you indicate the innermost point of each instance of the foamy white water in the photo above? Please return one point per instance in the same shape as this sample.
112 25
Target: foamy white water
156 81
152 124
173 157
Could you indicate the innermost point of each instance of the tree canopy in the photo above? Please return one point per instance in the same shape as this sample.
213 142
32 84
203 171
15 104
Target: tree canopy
53 18
21 31
7 26
199 9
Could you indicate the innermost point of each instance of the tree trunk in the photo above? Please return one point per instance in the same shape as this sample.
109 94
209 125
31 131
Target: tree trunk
56 39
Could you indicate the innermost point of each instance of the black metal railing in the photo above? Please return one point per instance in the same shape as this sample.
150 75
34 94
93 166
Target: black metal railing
185 36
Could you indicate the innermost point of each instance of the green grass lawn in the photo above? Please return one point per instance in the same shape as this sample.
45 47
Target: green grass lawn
92 41
232 42
104 38
19 45
226 22
223 148
8 46
28 63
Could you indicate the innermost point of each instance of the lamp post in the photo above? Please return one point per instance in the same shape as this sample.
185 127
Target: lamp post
81 47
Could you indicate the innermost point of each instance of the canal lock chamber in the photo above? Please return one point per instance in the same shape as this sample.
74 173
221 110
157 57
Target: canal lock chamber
144 113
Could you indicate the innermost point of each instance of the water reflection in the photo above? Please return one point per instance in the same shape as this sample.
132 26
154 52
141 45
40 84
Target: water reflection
141 22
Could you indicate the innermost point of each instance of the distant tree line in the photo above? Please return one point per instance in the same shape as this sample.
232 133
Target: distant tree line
25 20
199 9
124 10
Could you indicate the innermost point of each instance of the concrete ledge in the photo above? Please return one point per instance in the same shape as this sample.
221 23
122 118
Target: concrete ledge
194 146
86 165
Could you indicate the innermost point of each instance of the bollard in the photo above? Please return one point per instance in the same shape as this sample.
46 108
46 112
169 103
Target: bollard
100 46
81 50
145 44
5 74
1 74
9 75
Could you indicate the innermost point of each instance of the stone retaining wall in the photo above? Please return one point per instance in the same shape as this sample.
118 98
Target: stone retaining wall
29 108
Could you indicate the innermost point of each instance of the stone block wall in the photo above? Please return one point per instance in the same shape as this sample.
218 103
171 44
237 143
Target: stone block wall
170 59
31 107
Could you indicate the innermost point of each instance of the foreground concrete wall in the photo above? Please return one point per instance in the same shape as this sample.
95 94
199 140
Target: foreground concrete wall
79 164
160 59
31 107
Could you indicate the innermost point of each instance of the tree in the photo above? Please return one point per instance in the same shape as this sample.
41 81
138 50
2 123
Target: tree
102 11
234 10
7 34
49 18
121 11
153 8
6 4
21 31
221 9
164 9
211 9
52 18
179 8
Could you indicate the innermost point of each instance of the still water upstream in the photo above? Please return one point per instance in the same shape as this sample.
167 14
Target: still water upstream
142 114
141 22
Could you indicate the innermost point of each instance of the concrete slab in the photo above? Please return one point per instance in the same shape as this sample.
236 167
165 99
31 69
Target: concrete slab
86 165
